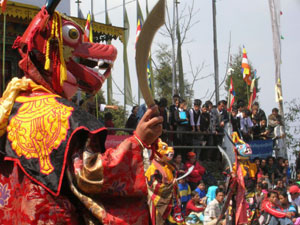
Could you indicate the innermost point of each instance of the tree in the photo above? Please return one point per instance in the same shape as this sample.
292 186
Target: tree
184 22
292 122
163 75
242 90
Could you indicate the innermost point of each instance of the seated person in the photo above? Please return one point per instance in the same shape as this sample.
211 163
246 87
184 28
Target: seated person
286 205
273 213
195 204
184 192
201 189
196 175
213 210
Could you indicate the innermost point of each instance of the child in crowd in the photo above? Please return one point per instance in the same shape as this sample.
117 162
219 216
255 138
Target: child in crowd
185 193
195 204
201 190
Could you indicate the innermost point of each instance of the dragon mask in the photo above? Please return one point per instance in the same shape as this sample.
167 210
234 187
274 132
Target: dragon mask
55 56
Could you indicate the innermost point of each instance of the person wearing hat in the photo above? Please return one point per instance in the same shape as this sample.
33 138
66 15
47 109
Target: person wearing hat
196 175
294 197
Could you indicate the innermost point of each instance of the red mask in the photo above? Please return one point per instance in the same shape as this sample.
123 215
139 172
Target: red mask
60 40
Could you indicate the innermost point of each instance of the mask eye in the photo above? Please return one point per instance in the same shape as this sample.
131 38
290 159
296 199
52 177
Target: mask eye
71 34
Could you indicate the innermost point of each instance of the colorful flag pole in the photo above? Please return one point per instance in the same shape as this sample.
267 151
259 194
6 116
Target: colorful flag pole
246 68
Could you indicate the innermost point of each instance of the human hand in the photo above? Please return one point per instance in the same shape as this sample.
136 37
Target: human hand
115 107
289 215
150 126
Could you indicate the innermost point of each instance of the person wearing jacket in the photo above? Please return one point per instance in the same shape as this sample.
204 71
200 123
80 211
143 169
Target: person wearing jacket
196 175
271 206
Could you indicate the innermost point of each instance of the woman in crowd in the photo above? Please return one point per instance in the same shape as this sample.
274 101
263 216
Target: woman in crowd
196 175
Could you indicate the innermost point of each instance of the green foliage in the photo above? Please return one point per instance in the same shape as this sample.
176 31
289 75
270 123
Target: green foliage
242 90
292 125
163 76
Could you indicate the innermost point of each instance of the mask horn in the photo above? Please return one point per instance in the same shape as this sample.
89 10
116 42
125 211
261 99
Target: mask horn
51 6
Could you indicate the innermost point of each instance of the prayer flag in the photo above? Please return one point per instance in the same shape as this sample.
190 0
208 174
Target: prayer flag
231 96
127 83
88 31
3 5
246 68
253 93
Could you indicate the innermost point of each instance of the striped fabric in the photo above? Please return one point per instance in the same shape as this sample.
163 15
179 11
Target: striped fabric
246 68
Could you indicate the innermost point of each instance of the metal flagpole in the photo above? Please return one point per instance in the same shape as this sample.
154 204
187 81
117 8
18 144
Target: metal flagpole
124 64
3 52
216 63
174 86
92 10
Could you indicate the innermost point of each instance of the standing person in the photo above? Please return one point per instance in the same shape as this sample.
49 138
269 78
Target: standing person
196 175
195 114
108 117
213 210
274 120
217 127
195 118
246 125
182 120
132 120
260 114
204 119
173 108
235 121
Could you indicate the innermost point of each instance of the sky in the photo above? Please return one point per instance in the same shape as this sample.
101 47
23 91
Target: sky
249 24
247 21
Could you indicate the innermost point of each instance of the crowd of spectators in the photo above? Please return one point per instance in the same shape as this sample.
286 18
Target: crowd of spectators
205 123
275 195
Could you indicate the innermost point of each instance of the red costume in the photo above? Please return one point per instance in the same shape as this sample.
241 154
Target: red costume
54 168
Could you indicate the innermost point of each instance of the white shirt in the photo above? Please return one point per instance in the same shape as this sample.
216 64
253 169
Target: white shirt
194 123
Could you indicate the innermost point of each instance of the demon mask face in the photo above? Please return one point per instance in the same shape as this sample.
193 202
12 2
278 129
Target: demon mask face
55 56
243 149
166 152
